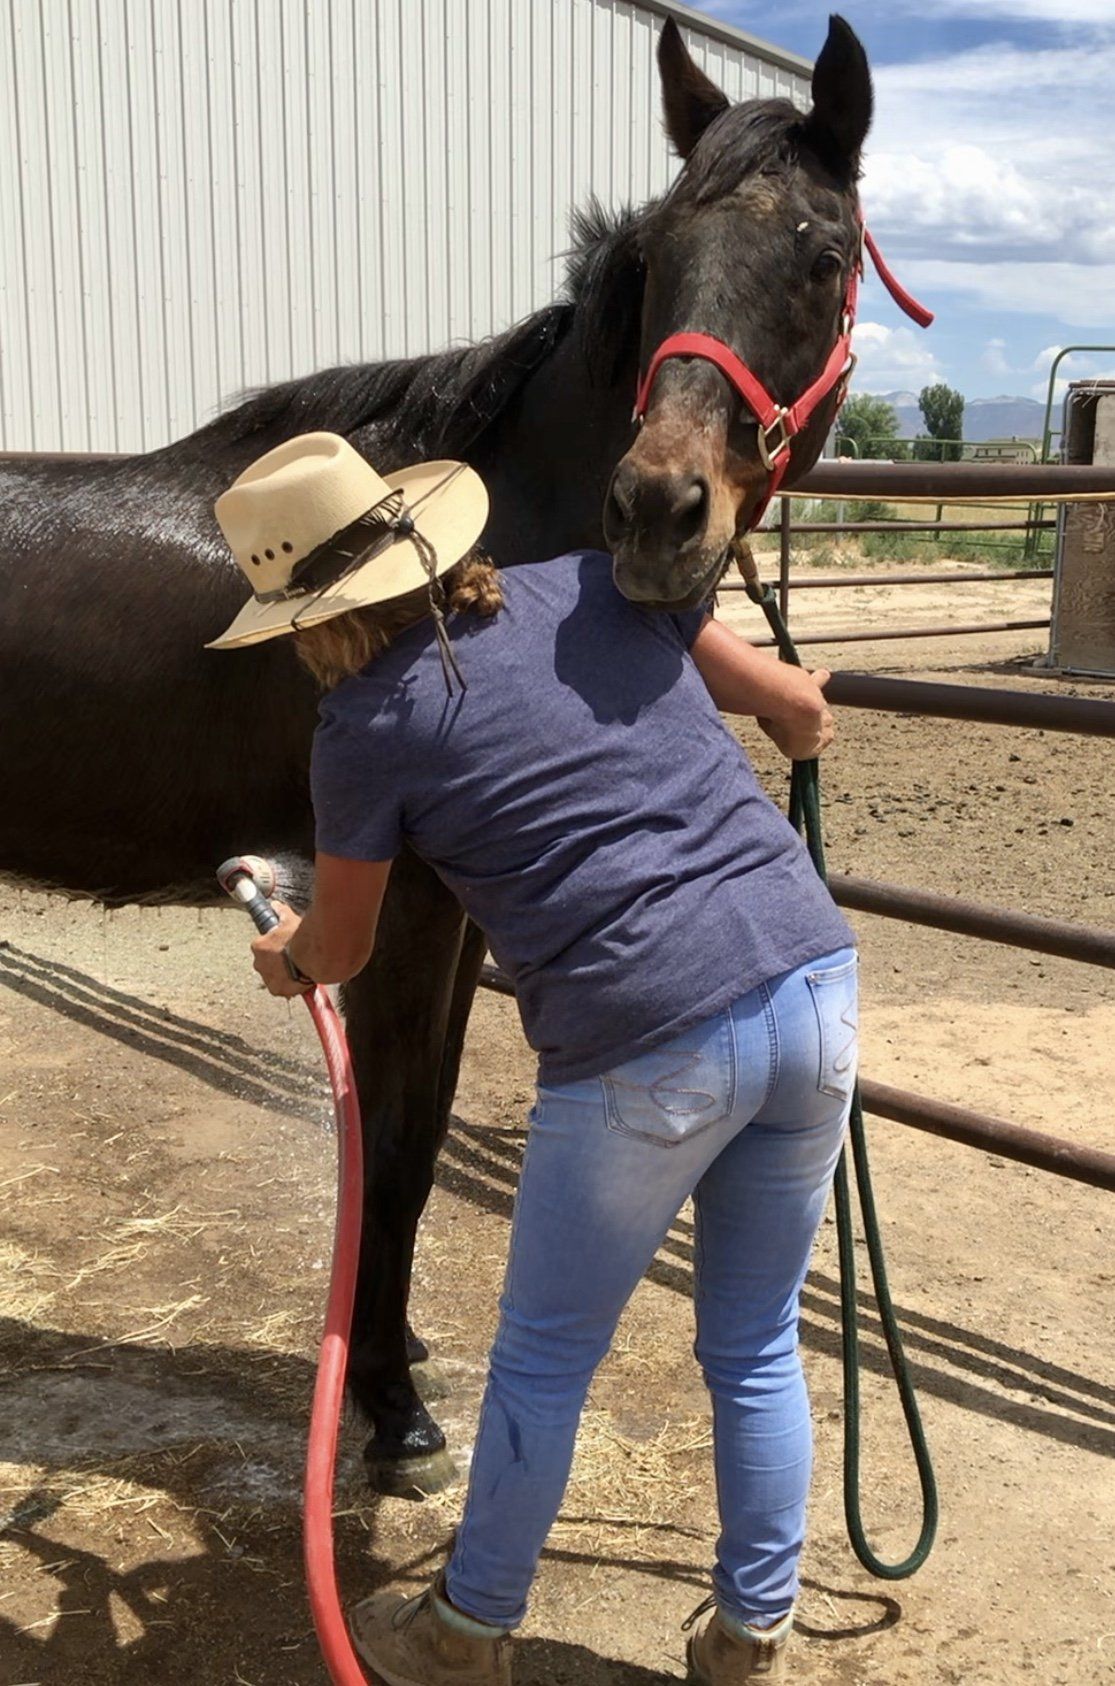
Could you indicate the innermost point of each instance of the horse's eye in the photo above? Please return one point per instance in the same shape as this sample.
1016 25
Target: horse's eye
826 266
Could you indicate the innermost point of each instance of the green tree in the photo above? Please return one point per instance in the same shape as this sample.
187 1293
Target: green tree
942 409
872 425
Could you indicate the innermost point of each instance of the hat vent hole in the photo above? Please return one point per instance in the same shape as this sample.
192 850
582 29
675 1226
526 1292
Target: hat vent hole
270 555
287 545
255 559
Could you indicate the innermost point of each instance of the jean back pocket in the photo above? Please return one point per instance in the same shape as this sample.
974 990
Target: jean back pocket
673 1093
835 1000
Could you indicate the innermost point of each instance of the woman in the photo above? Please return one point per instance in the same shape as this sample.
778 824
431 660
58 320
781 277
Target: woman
557 755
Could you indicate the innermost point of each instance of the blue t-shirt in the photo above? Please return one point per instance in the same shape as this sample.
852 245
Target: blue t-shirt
585 803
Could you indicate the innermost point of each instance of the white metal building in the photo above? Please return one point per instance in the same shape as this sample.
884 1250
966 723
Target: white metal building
198 196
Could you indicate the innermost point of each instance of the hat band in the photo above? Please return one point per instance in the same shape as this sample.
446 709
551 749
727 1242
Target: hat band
349 547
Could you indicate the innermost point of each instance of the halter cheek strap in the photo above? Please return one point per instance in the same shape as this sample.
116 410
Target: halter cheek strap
779 424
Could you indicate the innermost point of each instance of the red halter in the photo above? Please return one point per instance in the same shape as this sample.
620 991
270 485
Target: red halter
778 423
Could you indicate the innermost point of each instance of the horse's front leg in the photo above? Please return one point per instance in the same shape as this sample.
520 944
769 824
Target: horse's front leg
406 1014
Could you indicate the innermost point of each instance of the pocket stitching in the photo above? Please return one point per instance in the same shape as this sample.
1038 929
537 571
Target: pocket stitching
827 1063
614 1119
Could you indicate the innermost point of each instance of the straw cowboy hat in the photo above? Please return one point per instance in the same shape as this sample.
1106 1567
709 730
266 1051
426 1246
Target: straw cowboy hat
318 532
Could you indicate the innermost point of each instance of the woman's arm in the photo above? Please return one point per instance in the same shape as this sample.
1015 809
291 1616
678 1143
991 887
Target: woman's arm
788 702
335 939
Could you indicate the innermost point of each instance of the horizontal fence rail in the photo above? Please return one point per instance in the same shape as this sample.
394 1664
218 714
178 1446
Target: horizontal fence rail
956 1123
938 482
881 636
987 705
1089 943
948 482
834 582
894 482
63 456
994 1135
900 526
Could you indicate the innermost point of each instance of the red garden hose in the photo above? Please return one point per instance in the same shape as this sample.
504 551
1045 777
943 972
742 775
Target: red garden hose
250 880
325 1414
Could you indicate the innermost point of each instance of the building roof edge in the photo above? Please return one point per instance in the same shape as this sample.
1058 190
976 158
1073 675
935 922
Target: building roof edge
704 25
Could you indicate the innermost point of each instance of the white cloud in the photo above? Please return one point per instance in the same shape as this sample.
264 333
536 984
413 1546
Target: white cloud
1022 11
888 358
1077 366
988 173
1080 296
986 204
994 358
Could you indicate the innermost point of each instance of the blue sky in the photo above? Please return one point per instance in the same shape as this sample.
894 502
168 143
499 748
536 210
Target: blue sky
989 181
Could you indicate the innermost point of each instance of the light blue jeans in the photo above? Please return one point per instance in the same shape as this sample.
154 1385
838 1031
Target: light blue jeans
745 1112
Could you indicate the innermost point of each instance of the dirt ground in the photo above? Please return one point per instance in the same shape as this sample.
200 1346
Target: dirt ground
167 1189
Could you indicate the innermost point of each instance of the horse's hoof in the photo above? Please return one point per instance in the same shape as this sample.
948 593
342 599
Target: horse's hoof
417 1350
409 1478
429 1381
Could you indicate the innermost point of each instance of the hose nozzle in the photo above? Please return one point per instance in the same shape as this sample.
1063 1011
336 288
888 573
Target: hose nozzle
250 880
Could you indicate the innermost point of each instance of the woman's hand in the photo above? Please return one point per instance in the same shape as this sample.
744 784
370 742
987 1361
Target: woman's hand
267 952
786 701
804 726
334 941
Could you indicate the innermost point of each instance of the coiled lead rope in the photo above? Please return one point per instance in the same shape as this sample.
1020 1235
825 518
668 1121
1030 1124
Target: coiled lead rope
805 814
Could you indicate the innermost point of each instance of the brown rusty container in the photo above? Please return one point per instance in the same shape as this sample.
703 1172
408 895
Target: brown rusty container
1082 633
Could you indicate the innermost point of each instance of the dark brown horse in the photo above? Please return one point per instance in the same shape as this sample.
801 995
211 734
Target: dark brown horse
132 760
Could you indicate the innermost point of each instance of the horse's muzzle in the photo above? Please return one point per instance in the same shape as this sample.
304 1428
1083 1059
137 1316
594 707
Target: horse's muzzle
668 589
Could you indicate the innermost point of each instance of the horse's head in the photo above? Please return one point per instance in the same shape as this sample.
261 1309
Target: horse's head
754 246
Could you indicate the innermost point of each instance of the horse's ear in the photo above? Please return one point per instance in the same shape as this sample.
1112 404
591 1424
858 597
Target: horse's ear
689 100
842 98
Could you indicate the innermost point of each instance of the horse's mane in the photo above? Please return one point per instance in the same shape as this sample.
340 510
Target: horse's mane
437 405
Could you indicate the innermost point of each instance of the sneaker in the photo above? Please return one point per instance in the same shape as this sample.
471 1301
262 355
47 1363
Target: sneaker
423 1641
726 1652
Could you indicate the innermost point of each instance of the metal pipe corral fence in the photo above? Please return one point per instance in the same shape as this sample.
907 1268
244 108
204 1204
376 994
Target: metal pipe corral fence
945 631
932 482
820 582
990 482
992 1135
923 527
1089 944
992 706
954 482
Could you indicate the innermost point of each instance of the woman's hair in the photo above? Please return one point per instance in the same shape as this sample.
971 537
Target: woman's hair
336 648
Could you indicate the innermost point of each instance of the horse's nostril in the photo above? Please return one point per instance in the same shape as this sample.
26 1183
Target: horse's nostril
690 509
692 495
666 509
619 505
624 483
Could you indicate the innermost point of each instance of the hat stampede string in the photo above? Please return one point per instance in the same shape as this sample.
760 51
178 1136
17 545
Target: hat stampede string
384 524
317 532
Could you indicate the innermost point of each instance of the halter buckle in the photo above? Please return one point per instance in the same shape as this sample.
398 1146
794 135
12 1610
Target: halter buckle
771 453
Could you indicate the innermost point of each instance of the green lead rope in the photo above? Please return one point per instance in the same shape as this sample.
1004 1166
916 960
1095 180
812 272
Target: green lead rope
805 813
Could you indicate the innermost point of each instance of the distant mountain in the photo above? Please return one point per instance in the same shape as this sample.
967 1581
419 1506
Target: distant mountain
984 418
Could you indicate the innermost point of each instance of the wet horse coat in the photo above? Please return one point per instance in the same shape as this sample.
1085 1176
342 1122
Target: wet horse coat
134 760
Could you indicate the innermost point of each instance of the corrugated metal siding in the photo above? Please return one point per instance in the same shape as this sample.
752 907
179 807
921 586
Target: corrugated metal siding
197 196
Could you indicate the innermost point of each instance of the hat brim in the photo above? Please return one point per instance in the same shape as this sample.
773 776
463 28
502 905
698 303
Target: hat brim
450 517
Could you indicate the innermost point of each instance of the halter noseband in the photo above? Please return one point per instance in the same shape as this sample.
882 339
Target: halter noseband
779 424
